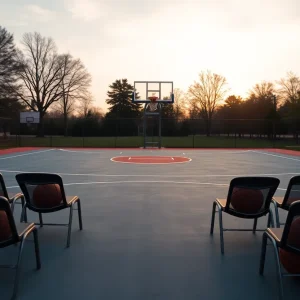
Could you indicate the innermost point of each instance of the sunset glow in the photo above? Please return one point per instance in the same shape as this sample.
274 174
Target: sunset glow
245 41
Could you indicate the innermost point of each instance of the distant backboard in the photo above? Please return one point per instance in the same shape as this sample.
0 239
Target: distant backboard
145 89
29 117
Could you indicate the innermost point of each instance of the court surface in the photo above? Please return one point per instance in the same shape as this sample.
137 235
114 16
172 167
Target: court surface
146 227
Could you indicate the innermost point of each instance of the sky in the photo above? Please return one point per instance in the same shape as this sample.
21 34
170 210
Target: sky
167 40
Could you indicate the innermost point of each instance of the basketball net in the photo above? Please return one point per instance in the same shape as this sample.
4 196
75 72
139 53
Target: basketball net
153 104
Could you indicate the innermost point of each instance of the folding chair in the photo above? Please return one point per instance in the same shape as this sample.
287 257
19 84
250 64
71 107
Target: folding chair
282 240
29 182
12 198
12 234
292 194
242 195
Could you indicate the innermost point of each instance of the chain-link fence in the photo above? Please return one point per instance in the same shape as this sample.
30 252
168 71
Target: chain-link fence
191 133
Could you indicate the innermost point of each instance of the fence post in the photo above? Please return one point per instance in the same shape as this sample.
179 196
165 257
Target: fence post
116 134
82 133
235 139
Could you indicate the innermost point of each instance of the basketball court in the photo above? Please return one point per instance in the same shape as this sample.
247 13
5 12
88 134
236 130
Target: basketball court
146 217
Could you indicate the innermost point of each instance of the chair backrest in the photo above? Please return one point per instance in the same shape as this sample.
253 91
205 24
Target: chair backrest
251 196
292 193
42 191
3 190
290 239
8 231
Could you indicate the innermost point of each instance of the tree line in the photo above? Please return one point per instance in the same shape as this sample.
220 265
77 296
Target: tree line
57 85
38 78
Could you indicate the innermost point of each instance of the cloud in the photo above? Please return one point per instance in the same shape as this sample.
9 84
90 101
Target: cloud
86 10
37 13
118 10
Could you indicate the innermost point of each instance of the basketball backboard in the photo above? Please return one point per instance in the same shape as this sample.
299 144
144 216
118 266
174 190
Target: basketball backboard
145 89
29 117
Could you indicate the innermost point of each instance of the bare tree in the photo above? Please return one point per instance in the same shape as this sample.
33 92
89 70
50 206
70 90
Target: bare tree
207 93
262 90
85 105
289 87
41 74
74 86
180 103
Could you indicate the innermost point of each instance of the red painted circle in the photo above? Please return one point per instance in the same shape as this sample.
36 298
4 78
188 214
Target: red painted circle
151 159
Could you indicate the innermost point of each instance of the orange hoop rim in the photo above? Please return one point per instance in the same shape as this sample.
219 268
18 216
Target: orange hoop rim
153 98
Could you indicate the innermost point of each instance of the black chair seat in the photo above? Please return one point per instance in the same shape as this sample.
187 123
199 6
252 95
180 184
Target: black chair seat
19 233
247 198
281 240
292 195
41 204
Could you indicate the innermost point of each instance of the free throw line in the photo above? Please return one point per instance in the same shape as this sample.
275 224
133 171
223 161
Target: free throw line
144 181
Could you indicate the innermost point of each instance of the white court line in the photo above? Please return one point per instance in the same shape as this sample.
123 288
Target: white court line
275 155
134 181
24 154
197 151
143 181
78 151
211 151
156 182
151 175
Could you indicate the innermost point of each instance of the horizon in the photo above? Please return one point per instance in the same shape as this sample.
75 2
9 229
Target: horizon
247 43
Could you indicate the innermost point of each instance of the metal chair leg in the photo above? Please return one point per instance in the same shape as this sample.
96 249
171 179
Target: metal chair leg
271 219
16 283
221 230
12 206
213 218
79 214
41 220
23 215
37 249
254 225
263 254
70 226
278 269
266 236
276 213
25 211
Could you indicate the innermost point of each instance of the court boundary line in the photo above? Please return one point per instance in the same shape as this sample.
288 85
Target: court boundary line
153 175
24 154
275 155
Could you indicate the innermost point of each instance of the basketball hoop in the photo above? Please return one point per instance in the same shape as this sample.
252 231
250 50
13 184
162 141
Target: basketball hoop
153 104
